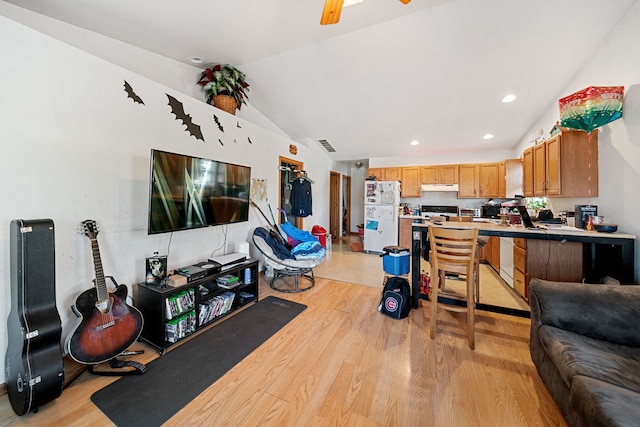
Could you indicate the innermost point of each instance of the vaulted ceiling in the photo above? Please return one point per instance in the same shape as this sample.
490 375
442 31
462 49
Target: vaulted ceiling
434 71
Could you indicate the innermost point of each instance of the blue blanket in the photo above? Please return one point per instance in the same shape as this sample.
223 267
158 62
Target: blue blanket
279 250
306 248
296 234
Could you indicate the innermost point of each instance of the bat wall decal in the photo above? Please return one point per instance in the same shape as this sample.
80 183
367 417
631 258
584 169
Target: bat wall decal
178 110
131 94
215 119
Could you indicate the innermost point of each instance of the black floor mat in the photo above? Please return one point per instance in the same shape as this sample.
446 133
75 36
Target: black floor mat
180 375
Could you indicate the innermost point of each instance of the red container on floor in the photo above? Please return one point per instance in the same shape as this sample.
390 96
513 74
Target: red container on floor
321 234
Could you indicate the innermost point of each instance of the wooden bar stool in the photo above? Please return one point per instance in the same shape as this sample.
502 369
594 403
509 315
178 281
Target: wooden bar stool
454 251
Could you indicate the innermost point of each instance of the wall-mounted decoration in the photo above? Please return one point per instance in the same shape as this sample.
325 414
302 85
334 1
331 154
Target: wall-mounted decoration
293 149
215 119
258 191
238 125
131 94
220 141
249 139
178 110
591 108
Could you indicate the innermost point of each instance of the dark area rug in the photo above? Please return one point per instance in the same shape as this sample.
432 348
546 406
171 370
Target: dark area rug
180 375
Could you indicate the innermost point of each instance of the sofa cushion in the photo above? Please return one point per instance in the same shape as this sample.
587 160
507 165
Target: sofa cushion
606 312
598 403
575 354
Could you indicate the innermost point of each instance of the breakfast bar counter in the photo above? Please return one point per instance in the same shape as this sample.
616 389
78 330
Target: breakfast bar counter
617 248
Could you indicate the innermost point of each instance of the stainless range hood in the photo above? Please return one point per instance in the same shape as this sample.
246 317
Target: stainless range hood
439 187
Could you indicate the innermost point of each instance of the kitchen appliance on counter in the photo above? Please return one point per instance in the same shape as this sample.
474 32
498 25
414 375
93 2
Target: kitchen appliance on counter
474 212
427 211
583 212
491 211
381 206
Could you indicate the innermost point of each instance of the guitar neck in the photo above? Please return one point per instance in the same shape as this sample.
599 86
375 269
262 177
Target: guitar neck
101 285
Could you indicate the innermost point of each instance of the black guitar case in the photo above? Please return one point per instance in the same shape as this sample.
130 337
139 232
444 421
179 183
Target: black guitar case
33 363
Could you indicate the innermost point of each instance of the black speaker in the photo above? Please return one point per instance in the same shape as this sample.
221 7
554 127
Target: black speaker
33 363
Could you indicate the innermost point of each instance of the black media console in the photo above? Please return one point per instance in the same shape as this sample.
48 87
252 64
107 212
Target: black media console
174 313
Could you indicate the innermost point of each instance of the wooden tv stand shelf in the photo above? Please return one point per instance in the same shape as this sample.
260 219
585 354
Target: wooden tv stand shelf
172 314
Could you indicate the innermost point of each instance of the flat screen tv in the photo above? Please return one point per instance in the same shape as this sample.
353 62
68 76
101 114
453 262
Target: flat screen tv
190 192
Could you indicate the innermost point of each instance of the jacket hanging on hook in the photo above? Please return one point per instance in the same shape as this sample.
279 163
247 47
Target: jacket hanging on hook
301 200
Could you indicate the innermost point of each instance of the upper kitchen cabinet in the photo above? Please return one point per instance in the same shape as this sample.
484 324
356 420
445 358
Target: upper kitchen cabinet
468 180
479 180
393 174
489 179
565 165
411 185
441 174
527 172
386 174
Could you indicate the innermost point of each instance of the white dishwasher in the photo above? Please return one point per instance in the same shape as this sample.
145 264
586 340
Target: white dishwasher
506 259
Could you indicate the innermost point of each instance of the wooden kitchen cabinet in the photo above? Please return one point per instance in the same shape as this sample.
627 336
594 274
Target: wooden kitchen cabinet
405 233
479 180
489 179
377 172
411 185
565 165
545 259
491 252
468 180
393 174
495 253
527 172
386 174
440 174
539 170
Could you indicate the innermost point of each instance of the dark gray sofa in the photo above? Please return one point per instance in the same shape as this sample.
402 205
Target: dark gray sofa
585 344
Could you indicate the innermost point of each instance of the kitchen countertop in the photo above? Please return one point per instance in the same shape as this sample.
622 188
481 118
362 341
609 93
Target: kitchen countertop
493 229
625 243
410 217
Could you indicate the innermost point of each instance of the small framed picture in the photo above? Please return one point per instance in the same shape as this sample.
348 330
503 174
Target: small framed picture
156 270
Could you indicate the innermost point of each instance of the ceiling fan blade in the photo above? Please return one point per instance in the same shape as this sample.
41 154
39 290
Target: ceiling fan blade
331 12
405 1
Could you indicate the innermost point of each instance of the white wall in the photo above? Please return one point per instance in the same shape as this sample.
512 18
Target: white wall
617 63
74 147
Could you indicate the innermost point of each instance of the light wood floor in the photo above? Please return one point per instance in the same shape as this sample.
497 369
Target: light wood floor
342 363
366 269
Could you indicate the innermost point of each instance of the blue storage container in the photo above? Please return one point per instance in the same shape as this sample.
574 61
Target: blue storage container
395 260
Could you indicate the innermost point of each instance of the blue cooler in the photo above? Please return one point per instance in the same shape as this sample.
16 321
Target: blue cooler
395 260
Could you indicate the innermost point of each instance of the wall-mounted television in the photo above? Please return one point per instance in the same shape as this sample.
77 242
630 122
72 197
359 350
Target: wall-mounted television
189 192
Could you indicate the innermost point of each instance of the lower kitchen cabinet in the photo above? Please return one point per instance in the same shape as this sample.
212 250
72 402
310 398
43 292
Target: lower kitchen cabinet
545 259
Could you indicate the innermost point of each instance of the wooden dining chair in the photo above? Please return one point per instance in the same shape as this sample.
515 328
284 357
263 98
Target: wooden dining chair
454 251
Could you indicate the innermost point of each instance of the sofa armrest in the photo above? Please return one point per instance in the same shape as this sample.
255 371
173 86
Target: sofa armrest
605 312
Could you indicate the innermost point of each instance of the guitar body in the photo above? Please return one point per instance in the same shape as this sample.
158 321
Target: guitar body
103 334
108 326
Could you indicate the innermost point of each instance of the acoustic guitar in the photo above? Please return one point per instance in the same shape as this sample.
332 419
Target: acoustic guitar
108 325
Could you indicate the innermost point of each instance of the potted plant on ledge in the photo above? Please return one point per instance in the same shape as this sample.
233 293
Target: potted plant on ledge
225 87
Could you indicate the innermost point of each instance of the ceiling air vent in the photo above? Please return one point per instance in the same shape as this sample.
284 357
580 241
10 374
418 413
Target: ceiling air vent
326 145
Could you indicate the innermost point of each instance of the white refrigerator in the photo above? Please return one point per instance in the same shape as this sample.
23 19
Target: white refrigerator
381 204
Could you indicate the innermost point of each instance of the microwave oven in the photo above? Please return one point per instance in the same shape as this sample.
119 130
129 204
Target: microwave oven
490 211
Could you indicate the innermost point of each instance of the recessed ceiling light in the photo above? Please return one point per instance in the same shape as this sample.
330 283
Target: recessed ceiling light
196 60
488 136
509 98
414 142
